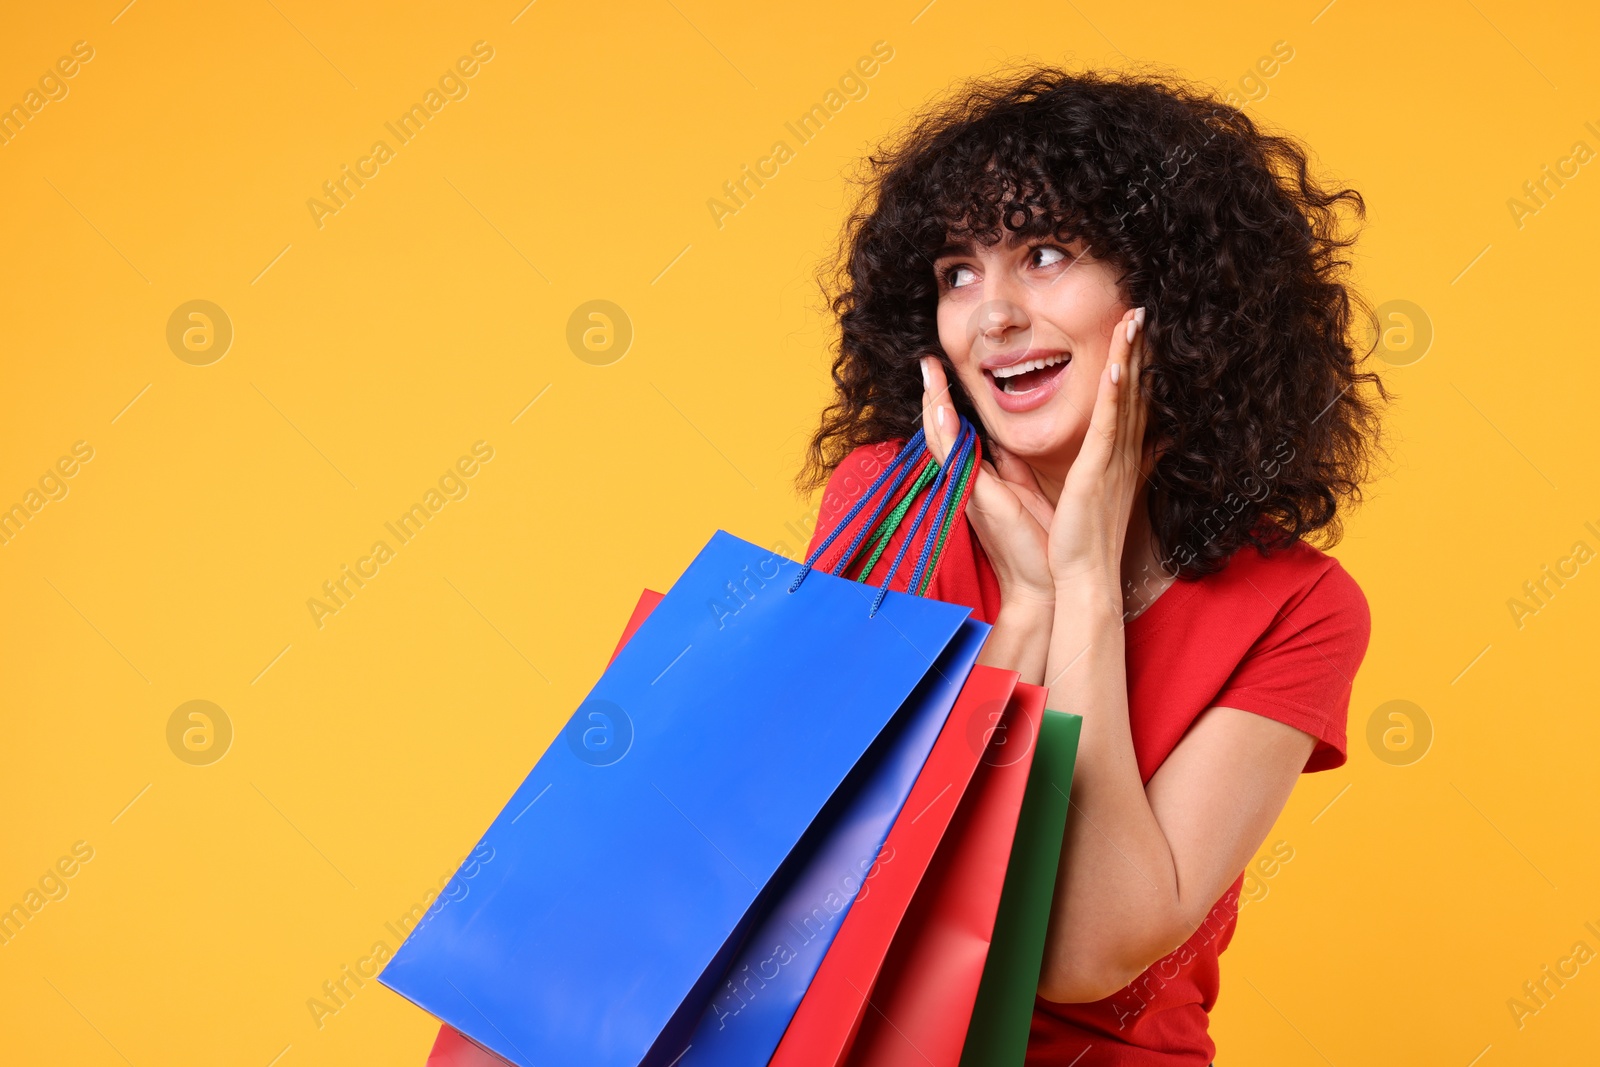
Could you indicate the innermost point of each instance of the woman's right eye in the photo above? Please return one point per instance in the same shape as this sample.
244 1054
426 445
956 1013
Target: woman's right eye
951 274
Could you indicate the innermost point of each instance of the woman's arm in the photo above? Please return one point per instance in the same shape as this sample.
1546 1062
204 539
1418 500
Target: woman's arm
1020 639
1142 865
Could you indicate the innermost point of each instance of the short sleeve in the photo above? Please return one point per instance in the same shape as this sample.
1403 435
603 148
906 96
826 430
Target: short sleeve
1301 670
847 484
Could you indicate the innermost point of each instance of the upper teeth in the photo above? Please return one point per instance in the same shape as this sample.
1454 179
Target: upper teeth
1032 364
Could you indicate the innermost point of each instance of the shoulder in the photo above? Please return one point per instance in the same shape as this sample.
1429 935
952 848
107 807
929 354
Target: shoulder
1307 626
851 479
1301 582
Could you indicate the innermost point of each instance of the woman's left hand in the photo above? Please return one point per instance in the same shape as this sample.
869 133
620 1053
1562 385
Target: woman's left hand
1090 523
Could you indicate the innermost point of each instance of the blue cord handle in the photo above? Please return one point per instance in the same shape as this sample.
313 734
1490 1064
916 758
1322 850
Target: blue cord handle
956 462
943 486
913 449
944 481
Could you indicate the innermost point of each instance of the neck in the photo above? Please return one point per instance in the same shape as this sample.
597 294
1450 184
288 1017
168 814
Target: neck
1050 478
1143 576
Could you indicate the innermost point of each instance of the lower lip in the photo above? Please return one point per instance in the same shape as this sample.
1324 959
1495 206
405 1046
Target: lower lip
1033 398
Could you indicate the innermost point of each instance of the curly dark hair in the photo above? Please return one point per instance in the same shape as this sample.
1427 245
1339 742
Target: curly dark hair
1215 225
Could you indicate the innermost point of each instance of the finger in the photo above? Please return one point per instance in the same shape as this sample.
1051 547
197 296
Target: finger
939 422
988 490
1137 403
1129 424
1019 476
1132 425
1037 507
1101 440
993 494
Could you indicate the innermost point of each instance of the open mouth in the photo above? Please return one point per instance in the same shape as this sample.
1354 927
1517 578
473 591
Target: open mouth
1020 378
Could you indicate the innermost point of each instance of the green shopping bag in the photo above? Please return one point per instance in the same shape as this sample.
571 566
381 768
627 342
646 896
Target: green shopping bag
1003 1012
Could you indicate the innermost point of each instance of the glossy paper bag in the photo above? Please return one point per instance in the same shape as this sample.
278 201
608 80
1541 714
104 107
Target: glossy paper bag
625 876
450 1048
920 1008
752 1006
828 1016
1003 1012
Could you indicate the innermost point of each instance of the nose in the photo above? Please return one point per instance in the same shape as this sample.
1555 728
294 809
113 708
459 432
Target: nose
999 324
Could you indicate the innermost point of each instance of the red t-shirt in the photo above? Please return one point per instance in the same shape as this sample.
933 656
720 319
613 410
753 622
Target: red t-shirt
1279 635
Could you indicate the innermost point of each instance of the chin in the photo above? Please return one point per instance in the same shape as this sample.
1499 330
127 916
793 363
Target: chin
1050 430
1038 439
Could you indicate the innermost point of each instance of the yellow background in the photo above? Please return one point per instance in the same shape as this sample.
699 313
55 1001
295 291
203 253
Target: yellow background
370 353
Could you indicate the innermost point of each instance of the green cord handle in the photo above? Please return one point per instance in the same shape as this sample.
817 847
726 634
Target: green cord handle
879 539
891 522
944 531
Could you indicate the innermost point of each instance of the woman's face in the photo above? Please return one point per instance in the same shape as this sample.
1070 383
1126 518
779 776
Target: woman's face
1027 326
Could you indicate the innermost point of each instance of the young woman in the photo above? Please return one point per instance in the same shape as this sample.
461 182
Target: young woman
1135 295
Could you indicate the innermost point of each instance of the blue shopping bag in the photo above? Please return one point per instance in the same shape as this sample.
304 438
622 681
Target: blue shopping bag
751 1007
628 867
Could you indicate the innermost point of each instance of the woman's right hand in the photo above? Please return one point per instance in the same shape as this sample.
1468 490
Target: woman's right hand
1008 512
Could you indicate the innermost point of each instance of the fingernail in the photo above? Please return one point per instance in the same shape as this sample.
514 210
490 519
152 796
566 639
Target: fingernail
1138 316
938 416
1116 369
1133 325
923 363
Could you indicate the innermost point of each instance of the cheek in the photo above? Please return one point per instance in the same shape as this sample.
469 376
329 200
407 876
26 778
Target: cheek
1086 382
1106 306
1085 305
951 337
1098 332
956 345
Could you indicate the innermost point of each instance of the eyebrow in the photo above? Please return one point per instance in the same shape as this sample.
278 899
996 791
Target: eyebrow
964 246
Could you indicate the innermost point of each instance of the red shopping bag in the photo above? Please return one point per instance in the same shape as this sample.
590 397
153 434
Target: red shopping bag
450 1049
641 611
830 1014
902 987
923 1002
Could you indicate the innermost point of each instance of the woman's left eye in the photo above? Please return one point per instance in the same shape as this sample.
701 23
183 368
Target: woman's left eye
1052 255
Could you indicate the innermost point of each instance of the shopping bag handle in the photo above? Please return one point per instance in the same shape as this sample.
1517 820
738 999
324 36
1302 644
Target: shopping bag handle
948 485
914 449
